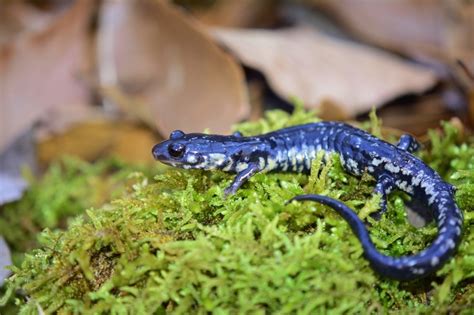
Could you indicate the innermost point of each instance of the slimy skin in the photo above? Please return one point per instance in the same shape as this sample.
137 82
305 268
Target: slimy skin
293 149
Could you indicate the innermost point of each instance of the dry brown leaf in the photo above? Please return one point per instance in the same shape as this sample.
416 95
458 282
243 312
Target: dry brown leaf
174 75
403 25
242 13
19 17
97 138
39 72
415 117
300 62
423 29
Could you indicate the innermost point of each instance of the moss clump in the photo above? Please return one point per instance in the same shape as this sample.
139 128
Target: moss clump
68 187
175 245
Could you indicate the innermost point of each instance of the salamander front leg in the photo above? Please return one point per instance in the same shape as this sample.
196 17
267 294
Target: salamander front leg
408 143
384 187
241 178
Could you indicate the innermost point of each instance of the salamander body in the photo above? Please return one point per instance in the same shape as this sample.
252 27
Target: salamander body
293 149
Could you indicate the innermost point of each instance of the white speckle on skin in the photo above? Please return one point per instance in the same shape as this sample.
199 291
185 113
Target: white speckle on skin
434 261
191 159
307 161
300 157
450 243
458 231
271 164
417 179
406 172
352 164
418 271
377 162
261 163
203 164
432 198
441 219
292 156
392 168
403 185
241 166
216 159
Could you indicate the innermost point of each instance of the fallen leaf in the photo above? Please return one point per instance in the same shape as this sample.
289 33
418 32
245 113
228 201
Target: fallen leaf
20 17
100 137
300 62
423 29
242 13
415 117
166 69
40 70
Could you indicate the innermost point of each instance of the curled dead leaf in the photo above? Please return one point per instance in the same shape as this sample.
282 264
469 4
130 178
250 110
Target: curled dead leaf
168 72
39 72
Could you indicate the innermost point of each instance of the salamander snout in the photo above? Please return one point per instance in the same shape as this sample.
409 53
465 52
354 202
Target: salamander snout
158 152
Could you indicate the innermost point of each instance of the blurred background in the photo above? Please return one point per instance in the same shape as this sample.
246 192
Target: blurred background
95 79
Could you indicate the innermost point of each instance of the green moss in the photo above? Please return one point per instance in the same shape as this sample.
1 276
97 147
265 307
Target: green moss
68 187
176 245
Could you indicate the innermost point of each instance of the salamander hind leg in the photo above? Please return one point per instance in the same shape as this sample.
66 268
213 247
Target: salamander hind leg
384 186
408 143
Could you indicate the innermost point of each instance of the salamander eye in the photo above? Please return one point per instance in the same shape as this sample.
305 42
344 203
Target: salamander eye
176 150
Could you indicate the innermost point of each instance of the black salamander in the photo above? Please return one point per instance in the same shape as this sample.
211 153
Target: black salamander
293 149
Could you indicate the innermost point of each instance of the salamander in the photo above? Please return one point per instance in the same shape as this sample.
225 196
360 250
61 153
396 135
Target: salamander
293 149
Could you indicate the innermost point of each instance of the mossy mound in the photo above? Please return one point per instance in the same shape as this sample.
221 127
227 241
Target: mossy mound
67 188
175 245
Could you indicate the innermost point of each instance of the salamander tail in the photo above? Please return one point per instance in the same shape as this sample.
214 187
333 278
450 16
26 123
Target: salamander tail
404 267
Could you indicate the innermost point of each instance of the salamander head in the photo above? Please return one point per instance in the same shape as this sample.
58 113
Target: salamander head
197 151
